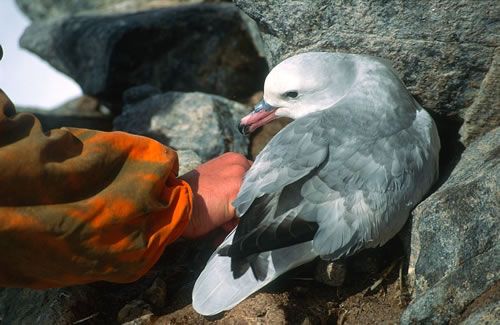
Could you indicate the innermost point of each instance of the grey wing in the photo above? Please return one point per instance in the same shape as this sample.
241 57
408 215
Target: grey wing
344 190
290 155
362 197
268 199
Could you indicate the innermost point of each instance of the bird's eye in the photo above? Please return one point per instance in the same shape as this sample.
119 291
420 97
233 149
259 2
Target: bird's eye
291 94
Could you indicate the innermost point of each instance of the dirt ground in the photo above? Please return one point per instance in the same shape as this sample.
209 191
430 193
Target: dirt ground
163 296
295 298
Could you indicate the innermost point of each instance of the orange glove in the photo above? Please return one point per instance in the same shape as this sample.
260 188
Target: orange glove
79 206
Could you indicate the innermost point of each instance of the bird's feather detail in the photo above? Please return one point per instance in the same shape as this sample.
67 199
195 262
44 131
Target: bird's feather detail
340 178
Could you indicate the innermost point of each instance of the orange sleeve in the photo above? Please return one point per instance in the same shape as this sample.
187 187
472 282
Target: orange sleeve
78 206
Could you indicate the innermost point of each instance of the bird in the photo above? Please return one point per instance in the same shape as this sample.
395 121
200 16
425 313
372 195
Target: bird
343 176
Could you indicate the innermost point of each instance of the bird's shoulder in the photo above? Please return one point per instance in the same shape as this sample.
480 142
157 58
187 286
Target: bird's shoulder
294 152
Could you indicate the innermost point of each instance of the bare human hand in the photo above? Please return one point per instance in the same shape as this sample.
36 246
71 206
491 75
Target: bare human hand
215 185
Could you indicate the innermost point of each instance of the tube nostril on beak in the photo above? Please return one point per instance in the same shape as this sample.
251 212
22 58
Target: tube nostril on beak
243 128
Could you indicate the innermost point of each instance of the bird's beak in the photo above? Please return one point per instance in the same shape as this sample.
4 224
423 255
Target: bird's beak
263 113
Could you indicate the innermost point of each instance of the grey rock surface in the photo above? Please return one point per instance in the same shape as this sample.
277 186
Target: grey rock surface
205 124
484 113
450 296
54 306
188 160
490 314
203 47
455 253
49 9
442 49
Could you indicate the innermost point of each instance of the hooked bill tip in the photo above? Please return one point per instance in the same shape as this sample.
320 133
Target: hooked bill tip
244 129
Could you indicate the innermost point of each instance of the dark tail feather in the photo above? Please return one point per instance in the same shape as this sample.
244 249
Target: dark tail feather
257 263
216 289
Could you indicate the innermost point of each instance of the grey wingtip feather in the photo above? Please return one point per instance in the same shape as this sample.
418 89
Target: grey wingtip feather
216 290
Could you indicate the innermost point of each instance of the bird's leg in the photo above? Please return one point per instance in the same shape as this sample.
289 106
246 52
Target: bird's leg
331 273
383 276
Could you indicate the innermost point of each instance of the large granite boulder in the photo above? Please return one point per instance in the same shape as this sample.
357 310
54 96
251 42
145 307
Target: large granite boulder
48 9
203 47
205 124
455 252
443 49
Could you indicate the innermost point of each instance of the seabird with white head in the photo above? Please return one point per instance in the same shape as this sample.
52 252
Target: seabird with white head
342 177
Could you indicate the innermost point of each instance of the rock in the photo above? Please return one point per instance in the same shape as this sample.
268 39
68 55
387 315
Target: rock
442 49
455 253
53 306
133 310
49 9
188 160
484 113
52 121
139 93
205 124
489 314
81 106
82 112
157 293
450 296
204 47
483 310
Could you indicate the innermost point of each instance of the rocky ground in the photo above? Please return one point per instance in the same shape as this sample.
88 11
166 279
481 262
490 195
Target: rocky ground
297 298
160 67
